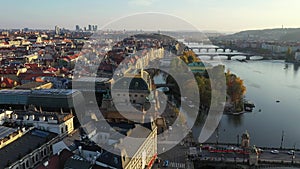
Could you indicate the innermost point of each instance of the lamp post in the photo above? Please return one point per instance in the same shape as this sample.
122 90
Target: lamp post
282 139
217 136
294 153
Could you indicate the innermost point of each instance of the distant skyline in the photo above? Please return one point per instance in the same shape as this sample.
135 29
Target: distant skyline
213 15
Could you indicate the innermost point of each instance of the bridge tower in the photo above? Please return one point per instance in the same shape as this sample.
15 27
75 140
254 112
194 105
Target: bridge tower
246 140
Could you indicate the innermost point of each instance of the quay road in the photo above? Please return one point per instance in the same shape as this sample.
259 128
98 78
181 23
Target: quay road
178 156
265 156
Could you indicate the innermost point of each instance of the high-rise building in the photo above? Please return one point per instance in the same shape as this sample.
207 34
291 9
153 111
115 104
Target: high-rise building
57 30
95 27
90 28
77 28
26 29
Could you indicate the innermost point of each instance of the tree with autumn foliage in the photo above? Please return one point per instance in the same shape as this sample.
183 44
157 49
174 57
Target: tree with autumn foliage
189 56
236 90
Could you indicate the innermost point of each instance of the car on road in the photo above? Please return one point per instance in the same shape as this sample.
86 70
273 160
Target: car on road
291 152
166 163
275 152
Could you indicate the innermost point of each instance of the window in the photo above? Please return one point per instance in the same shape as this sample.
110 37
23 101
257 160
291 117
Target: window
136 95
66 128
62 130
136 85
27 164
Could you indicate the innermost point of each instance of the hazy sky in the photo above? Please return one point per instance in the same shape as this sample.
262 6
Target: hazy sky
220 15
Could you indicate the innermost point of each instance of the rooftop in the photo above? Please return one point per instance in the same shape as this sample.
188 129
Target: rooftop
60 117
5 131
93 79
32 85
23 146
59 92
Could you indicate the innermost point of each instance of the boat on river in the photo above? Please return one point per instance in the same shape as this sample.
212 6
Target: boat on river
248 105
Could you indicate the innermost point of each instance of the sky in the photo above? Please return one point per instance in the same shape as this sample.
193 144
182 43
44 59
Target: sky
213 15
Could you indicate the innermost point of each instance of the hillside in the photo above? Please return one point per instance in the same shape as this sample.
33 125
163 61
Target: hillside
287 34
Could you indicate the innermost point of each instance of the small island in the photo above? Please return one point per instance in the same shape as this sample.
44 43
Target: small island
235 88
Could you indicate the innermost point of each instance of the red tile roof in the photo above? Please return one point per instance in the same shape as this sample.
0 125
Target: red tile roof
57 161
6 82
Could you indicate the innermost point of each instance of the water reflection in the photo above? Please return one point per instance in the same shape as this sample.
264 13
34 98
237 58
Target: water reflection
236 121
296 67
266 82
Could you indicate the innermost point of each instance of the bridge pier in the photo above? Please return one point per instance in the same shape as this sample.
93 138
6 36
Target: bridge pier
229 57
248 57
211 57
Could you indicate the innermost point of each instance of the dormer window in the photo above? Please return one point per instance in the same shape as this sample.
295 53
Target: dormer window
136 85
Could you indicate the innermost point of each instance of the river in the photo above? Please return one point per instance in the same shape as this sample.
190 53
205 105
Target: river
267 82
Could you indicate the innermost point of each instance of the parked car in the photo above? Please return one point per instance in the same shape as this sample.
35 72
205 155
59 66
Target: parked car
291 152
275 152
166 163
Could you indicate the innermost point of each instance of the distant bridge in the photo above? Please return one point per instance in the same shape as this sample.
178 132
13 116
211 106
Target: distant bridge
215 51
229 55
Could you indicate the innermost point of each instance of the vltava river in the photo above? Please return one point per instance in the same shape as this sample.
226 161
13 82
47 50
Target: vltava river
266 82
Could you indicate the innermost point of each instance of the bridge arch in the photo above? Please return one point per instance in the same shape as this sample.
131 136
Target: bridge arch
223 57
221 50
211 50
254 57
238 57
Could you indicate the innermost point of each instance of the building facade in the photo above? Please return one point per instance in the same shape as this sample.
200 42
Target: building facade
47 121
